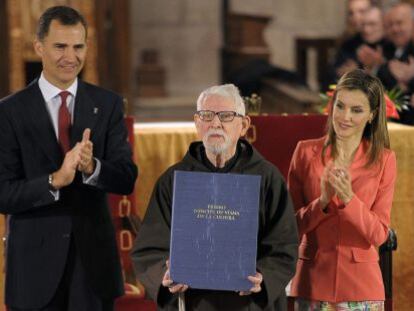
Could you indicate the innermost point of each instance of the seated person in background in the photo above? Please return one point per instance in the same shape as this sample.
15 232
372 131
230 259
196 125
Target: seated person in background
342 188
398 70
221 122
369 55
345 59
355 13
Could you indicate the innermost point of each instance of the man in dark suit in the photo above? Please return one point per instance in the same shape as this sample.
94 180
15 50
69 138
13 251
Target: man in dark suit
399 53
398 69
364 50
370 53
63 146
346 59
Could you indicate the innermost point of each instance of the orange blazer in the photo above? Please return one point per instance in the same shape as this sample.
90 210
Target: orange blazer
338 257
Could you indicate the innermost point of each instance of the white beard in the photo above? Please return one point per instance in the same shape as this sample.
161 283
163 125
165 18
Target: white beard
217 148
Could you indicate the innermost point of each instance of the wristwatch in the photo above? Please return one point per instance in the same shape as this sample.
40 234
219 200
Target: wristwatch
50 182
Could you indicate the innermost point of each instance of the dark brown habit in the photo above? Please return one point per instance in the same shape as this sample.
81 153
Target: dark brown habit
277 236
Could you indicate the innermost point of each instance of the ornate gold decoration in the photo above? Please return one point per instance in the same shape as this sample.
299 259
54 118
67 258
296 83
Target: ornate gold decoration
125 240
124 207
253 104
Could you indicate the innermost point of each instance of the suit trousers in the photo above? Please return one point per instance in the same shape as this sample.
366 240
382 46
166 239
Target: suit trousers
74 292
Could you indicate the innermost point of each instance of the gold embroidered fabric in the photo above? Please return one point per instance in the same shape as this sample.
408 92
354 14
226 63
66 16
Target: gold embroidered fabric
402 216
157 147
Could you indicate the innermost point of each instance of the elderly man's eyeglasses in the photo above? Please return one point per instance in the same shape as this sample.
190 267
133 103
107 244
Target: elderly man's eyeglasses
224 116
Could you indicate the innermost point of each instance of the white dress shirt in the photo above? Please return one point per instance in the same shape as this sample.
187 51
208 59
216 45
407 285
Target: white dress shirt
53 101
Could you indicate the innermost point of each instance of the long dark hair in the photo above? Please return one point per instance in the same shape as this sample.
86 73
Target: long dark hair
375 132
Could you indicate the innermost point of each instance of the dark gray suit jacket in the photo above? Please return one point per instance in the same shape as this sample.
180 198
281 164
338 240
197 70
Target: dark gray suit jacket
40 228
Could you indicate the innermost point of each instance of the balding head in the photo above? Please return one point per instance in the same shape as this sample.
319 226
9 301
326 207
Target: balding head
399 24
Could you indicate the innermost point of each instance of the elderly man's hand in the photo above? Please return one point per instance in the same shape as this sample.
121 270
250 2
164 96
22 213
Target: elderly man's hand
402 72
370 57
172 287
409 70
256 280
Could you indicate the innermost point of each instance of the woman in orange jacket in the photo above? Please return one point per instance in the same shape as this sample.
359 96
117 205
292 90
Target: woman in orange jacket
342 187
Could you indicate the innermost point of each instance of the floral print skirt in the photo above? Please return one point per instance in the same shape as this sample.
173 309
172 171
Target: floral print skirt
311 305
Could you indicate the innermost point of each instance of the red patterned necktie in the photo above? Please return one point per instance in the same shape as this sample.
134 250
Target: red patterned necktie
64 123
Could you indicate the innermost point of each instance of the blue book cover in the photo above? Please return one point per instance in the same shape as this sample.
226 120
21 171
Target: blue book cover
214 230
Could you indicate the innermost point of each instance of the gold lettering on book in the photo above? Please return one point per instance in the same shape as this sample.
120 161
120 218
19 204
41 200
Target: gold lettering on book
216 211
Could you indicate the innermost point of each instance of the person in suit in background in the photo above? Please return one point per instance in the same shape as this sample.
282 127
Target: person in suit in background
398 68
63 147
366 52
370 54
400 52
342 187
346 58
221 121
355 14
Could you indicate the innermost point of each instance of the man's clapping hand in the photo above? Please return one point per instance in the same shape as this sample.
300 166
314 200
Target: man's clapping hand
80 157
86 162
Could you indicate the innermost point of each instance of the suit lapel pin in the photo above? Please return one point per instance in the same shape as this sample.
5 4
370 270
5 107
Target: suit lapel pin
95 110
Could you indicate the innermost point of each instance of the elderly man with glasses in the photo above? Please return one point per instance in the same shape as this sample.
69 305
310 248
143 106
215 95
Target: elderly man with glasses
221 123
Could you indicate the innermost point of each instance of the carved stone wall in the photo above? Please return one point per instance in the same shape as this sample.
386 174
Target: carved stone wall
186 34
295 18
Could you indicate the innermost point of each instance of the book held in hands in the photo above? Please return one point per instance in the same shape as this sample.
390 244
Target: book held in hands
214 230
